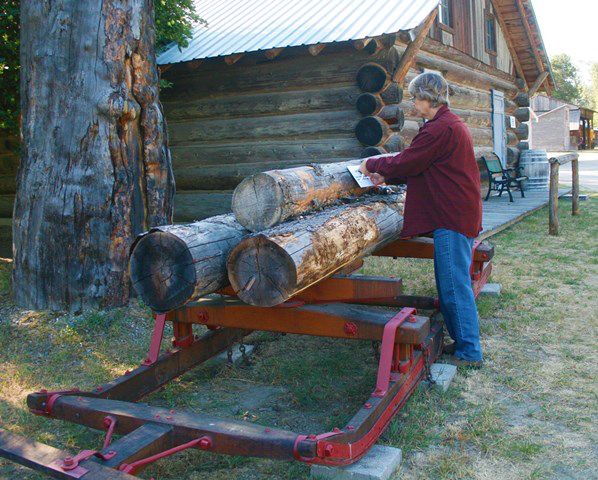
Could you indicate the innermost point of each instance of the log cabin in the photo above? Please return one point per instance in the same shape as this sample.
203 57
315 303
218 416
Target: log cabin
271 84
290 86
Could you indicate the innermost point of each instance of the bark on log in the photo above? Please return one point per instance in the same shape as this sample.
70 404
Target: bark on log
372 77
95 168
268 268
175 264
269 198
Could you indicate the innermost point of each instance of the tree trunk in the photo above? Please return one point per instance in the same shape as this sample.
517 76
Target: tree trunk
269 198
268 268
175 264
95 168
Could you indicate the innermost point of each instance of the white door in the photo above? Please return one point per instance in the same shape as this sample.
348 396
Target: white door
499 130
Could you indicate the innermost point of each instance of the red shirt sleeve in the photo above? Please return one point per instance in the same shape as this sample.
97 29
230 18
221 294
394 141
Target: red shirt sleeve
410 162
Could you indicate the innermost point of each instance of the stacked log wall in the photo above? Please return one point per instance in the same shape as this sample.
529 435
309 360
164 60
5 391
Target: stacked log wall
229 121
9 164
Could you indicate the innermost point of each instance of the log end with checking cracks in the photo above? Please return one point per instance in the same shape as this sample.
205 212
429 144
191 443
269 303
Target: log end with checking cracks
257 202
261 272
162 271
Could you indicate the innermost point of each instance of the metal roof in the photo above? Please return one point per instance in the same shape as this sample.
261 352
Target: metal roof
238 26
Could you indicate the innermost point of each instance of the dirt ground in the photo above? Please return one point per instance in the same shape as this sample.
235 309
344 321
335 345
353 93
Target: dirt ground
530 413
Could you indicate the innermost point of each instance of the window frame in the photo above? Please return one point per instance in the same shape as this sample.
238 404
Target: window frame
451 11
487 17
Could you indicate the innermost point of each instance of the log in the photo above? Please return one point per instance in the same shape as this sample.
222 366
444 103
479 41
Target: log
371 103
393 115
460 74
522 99
174 264
372 77
522 114
523 146
372 130
394 144
269 198
276 102
270 267
264 150
522 131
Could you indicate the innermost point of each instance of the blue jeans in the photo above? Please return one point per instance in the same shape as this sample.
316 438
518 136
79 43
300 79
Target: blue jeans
452 261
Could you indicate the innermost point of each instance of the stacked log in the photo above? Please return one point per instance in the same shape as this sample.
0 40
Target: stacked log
380 103
269 198
174 264
270 267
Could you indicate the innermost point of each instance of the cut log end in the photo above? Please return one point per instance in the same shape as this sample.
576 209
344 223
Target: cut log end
258 193
162 271
261 272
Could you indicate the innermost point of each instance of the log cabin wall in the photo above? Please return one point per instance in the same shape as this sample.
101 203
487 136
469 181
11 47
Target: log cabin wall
226 122
9 163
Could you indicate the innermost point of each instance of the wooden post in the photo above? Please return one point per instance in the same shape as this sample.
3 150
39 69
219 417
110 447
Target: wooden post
575 186
411 51
553 198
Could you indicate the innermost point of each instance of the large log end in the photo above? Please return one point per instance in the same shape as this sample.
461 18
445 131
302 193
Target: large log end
261 272
162 271
257 202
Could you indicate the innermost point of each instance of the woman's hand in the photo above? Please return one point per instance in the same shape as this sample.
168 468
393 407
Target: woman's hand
377 179
363 167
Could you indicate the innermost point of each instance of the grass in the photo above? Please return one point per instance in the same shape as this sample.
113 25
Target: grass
529 414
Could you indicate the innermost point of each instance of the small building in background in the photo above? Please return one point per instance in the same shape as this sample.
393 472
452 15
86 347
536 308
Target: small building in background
558 126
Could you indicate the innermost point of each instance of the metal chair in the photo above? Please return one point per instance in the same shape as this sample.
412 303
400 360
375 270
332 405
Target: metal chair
501 179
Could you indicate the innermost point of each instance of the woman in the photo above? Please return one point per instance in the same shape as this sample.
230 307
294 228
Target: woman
443 198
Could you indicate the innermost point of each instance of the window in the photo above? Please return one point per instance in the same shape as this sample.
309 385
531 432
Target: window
490 34
445 14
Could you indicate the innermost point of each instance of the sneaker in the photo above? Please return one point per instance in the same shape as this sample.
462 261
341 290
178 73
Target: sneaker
449 348
461 362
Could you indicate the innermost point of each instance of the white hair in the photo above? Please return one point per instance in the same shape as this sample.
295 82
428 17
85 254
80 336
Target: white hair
430 86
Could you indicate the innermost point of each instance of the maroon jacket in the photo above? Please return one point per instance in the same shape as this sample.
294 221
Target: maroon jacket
442 176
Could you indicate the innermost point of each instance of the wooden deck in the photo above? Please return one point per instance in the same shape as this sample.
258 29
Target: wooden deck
499 213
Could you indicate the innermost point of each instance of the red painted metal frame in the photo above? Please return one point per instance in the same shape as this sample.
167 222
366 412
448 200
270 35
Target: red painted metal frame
400 369
387 350
156 342
204 443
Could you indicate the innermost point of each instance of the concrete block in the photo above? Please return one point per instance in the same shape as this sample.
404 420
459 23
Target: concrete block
442 375
582 197
491 289
380 463
237 356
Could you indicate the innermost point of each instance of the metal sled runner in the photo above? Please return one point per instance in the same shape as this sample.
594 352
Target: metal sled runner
343 306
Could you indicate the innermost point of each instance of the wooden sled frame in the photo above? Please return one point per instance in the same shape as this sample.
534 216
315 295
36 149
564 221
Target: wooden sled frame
338 307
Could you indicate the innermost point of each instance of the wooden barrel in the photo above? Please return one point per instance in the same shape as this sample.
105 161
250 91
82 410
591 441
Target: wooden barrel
535 166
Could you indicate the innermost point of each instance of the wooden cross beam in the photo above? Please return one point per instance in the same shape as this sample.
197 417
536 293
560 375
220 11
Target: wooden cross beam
408 57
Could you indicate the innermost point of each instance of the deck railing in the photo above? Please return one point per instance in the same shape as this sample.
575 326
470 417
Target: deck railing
553 194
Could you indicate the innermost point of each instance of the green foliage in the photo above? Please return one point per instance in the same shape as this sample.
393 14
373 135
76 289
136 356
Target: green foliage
568 84
9 66
591 91
174 20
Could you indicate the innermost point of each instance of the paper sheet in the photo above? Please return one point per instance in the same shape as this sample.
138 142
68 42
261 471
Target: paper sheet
362 180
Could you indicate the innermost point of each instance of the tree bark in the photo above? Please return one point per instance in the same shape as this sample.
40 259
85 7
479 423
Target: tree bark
176 264
95 168
269 198
268 268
